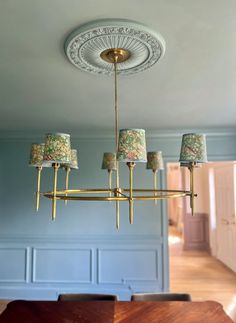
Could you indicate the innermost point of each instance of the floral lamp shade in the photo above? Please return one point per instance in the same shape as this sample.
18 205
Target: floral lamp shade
36 156
57 148
193 149
109 161
74 159
132 146
155 160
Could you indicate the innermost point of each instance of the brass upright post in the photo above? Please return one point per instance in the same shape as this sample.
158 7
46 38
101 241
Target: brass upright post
109 180
67 181
155 183
39 170
131 211
191 169
54 200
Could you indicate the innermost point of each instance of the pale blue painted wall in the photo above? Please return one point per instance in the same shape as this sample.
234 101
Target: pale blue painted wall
82 251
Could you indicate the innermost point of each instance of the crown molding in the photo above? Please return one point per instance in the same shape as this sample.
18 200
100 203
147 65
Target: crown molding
97 136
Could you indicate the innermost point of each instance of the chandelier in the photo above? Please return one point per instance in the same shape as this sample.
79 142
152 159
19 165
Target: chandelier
112 47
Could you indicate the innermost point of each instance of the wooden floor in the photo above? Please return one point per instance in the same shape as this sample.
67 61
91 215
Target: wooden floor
201 275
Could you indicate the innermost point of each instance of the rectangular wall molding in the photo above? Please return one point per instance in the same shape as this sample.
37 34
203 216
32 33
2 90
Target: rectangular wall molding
129 266
14 264
62 265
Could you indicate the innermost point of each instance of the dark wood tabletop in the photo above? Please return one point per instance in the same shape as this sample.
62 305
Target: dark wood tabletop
117 312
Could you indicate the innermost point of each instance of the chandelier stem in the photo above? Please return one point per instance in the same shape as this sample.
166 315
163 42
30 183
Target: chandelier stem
67 181
116 141
54 200
155 183
116 122
192 206
39 170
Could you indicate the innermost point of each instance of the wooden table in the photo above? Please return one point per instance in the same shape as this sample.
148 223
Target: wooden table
117 312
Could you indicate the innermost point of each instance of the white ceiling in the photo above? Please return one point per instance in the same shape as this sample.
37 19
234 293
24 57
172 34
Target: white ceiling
193 86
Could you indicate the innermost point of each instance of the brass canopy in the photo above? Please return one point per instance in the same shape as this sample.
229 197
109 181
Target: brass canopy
115 55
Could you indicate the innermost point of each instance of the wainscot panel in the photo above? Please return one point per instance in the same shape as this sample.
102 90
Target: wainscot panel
14 264
117 266
60 265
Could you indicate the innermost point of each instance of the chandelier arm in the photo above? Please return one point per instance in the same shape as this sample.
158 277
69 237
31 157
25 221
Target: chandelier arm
39 170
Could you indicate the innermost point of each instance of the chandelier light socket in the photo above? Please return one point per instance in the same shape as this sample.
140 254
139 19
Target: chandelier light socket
109 161
36 156
57 148
193 149
155 161
132 146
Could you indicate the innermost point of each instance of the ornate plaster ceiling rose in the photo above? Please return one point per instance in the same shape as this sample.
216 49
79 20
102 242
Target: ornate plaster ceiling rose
84 46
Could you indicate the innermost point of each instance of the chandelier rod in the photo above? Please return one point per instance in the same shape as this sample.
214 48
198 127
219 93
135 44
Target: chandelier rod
116 142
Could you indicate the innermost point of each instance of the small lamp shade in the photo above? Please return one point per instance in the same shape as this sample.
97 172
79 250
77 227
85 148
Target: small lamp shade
132 146
36 156
57 148
193 149
155 160
74 159
109 161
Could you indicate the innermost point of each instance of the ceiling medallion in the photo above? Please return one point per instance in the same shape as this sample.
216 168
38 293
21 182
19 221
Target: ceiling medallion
84 46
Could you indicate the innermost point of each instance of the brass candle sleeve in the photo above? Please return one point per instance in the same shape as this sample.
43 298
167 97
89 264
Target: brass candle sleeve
39 170
191 169
131 208
155 183
54 200
109 180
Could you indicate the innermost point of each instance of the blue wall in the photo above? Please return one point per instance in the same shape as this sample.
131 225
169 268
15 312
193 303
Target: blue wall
82 251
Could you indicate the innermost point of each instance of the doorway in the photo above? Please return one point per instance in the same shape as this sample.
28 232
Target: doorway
202 248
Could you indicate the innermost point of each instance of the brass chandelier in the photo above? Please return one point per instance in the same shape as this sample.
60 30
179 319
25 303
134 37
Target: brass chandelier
130 147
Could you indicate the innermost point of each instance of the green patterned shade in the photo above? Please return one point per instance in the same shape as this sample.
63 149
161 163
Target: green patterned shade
57 148
36 156
155 160
132 146
74 159
193 149
109 161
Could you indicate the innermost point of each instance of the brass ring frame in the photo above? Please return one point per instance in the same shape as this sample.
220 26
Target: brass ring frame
65 194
